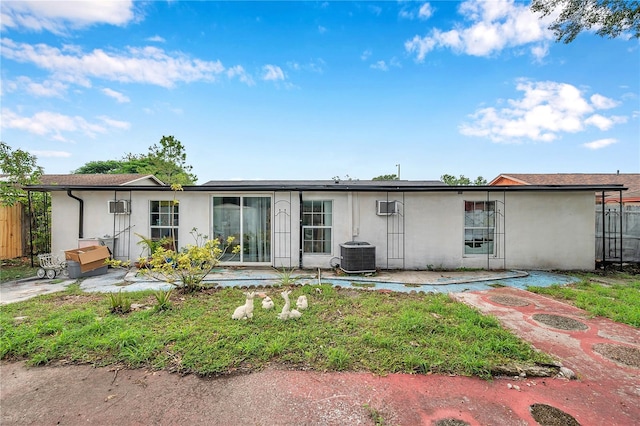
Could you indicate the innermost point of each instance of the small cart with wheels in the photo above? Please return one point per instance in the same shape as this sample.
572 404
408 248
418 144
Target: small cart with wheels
50 266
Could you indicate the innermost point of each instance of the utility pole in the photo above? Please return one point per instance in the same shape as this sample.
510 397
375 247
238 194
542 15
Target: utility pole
398 166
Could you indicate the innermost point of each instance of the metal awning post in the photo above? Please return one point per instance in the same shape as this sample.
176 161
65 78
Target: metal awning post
604 252
621 233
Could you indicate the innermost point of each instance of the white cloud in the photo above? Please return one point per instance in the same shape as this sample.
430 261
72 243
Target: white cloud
46 89
539 52
384 65
604 123
322 29
57 16
423 12
116 95
366 54
600 143
54 125
51 154
491 27
420 46
314 65
116 124
376 10
239 72
148 65
405 14
380 65
156 39
49 88
272 73
546 110
602 102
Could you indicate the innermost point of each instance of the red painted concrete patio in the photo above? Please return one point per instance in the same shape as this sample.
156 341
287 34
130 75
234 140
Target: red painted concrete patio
605 393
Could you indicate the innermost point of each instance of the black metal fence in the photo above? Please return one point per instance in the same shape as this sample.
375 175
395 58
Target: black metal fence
619 231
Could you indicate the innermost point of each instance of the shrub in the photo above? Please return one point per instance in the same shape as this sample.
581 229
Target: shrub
118 303
163 299
187 268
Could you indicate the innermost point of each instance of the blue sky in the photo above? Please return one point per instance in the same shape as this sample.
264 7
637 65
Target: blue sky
312 90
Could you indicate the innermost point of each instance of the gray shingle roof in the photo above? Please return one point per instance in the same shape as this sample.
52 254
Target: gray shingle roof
320 183
95 179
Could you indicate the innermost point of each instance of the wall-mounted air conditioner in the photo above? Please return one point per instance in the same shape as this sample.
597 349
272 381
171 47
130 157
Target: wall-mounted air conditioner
119 207
386 208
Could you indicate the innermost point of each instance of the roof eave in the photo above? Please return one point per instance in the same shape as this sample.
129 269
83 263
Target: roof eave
333 188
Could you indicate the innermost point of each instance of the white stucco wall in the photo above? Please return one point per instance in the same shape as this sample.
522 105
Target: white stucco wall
535 230
540 230
550 230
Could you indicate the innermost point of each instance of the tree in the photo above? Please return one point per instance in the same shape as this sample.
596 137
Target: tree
98 167
386 177
462 180
170 162
610 18
21 169
166 160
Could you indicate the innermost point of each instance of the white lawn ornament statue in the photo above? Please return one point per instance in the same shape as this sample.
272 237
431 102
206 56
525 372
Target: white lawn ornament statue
267 303
287 312
302 303
245 311
295 314
284 315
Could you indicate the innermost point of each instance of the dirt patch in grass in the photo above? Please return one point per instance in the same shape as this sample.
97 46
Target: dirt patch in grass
77 299
560 322
451 422
623 354
547 415
509 300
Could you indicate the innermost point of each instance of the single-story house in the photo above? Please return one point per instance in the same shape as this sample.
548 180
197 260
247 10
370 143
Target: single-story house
319 224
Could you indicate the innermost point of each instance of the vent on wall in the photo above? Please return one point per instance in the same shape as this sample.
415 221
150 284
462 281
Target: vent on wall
119 207
357 257
386 208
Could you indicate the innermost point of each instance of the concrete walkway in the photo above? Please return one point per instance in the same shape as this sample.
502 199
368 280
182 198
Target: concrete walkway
116 280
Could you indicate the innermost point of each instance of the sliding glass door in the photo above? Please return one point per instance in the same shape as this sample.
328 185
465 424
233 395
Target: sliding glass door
248 220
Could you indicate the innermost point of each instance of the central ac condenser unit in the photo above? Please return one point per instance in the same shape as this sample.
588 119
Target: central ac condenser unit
357 257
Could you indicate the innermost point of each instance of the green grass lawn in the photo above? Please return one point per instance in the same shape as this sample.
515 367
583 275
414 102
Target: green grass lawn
343 329
14 269
618 300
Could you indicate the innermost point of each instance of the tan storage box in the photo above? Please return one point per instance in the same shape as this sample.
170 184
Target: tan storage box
89 258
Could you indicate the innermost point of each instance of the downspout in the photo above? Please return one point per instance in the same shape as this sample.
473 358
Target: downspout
301 235
80 214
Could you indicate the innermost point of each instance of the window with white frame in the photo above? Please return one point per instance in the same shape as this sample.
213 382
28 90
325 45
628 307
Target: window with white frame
479 227
317 221
164 220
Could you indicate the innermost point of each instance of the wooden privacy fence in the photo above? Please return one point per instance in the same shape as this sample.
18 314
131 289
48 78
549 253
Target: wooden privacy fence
12 231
